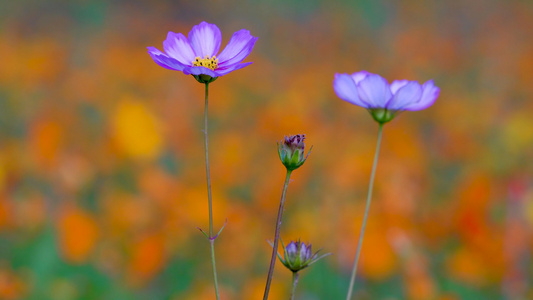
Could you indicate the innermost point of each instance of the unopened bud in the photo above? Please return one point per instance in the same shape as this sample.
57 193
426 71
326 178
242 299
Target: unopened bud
298 255
291 151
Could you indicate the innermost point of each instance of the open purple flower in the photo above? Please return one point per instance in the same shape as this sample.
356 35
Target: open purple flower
198 54
384 100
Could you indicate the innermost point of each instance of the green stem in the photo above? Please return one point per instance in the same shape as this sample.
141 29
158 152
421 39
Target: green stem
295 276
209 196
368 200
276 236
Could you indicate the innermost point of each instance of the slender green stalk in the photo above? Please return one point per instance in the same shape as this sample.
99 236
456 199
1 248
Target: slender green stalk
209 196
295 276
368 200
276 236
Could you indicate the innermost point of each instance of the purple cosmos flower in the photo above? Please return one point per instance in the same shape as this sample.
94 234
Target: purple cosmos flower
382 99
198 54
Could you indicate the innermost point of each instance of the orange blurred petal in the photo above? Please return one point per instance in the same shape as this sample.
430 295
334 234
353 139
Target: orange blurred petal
46 139
78 233
378 259
465 265
148 257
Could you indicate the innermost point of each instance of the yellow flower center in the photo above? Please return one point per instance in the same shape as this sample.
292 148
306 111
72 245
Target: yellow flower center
208 62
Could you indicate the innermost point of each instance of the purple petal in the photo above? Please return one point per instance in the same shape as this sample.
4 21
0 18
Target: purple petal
303 252
229 69
164 61
358 76
177 46
240 45
397 84
199 71
408 94
205 39
345 88
309 252
429 94
374 90
292 249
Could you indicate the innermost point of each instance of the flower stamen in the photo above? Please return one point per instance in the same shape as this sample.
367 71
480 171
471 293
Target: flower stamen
207 62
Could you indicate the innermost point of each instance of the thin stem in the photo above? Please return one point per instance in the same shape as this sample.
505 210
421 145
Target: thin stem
276 236
209 197
368 200
295 276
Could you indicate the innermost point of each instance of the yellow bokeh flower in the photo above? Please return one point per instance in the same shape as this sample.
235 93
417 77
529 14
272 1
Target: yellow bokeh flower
137 130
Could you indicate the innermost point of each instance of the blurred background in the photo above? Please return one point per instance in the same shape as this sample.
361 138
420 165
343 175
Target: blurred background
102 179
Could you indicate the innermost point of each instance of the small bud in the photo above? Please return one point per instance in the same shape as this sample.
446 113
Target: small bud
291 151
298 255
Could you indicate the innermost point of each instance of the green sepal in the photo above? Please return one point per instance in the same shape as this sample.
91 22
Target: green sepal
295 159
382 115
202 78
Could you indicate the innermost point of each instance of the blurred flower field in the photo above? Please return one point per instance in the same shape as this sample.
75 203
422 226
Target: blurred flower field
102 179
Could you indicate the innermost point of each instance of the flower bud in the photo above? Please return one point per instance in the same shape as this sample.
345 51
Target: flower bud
298 255
291 151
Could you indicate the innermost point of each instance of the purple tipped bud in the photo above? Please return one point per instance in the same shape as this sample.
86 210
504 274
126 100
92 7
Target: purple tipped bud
291 151
298 256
